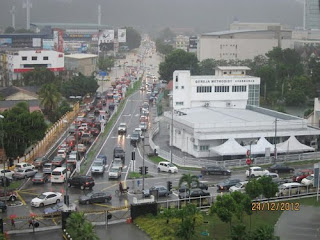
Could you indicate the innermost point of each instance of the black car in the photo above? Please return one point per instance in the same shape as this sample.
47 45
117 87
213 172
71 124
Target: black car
3 207
226 184
38 162
81 182
40 178
111 106
194 193
134 139
280 168
95 197
215 170
201 185
118 152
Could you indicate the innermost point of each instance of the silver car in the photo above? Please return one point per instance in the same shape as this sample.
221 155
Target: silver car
115 172
98 167
24 173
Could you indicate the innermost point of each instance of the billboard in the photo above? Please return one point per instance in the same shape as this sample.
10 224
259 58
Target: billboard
5 42
36 42
58 40
47 44
106 36
122 35
75 46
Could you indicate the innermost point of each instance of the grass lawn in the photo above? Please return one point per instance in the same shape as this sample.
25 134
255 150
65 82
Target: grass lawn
14 185
133 175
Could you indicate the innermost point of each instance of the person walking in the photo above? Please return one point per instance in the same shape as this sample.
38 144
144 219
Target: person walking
30 222
120 187
13 223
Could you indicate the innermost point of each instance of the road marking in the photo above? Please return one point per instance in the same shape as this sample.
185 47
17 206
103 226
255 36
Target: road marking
127 115
21 199
109 187
28 193
175 194
114 137
102 205
54 220
137 115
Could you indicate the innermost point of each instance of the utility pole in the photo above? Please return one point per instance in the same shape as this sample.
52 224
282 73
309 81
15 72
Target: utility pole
99 15
143 167
171 129
275 140
28 5
13 15
4 180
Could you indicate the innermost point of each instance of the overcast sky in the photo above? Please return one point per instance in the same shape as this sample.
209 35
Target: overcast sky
206 15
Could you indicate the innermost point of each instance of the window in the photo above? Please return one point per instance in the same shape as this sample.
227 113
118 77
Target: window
45 58
195 147
177 87
34 58
204 89
24 58
239 88
182 87
221 88
176 78
179 103
204 148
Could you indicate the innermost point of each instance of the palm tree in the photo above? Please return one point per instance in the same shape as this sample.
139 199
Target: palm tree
80 228
188 179
50 97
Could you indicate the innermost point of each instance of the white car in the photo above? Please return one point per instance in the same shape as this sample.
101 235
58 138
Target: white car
115 172
62 153
47 198
239 187
308 181
6 173
167 167
23 165
256 172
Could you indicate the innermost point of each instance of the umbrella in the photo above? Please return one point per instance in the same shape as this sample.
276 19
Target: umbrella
13 216
32 214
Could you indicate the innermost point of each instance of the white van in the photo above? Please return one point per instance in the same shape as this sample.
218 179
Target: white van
167 167
59 175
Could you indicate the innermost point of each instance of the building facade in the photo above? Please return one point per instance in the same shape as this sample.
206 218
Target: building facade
230 87
182 42
312 14
83 63
242 44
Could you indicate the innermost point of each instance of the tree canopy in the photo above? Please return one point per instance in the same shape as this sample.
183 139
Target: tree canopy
38 77
79 86
133 38
80 228
106 63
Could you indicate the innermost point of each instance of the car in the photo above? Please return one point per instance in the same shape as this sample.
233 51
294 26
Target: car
134 139
301 175
117 162
94 132
280 168
62 153
273 175
194 193
86 138
308 181
48 167
140 132
239 187
201 185
6 173
143 119
46 198
73 157
59 207
103 158
210 170
38 162
256 172
81 148
97 167
81 182
40 178
167 167
112 106
64 146
143 126
95 197
162 191
122 129
288 189
24 165
24 173
115 172
118 152
228 183
3 206
58 161
9 196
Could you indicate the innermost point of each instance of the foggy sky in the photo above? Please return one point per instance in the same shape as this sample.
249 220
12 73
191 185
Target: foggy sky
205 15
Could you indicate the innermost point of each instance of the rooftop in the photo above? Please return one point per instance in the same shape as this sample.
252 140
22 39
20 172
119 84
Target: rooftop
219 33
232 68
81 56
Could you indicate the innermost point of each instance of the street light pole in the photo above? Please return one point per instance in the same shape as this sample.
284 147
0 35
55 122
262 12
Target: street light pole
275 140
4 180
143 167
171 128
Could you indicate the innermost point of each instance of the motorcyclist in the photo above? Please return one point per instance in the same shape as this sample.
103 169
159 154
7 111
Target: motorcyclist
120 187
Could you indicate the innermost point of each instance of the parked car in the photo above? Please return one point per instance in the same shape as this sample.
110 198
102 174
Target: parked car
97 167
122 129
46 198
281 168
228 183
288 189
6 173
162 191
48 167
273 175
194 193
95 197
167 167
308 181
115 172
58 161
24 173
215 170
301 175
201 185
256 172
3 207
38 162
40 178
239 187
118 152
24 165
81 182
9 196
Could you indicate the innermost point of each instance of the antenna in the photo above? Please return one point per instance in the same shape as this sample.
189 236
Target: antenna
99 14
27 5
13 14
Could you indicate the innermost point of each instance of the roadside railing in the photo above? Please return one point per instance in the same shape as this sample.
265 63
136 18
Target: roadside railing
202 202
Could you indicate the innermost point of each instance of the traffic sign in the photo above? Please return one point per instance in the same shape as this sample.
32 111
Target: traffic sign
248 153
248 161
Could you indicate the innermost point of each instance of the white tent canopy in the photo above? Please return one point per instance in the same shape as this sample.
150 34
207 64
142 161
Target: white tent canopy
292 145
260 147
230 148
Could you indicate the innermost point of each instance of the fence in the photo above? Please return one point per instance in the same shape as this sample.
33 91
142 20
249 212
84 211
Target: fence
201 202
198 162
51 133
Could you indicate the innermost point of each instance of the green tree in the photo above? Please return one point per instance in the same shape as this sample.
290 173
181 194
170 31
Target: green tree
253 189
163 48
207 67
50 99
9 30
178 60
224 206
80 228
269 188
79 86
265 232
166 34
243 204
188 179
64 107
238 232
105 64
38 76
133 38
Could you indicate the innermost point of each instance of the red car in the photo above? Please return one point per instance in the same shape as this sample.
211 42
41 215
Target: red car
301 175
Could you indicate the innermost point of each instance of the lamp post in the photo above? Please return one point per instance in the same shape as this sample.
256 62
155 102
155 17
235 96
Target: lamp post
4 180
275 140
171 137
143 167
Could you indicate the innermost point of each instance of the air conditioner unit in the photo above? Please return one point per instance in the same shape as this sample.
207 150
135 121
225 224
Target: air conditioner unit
206 104
192 139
